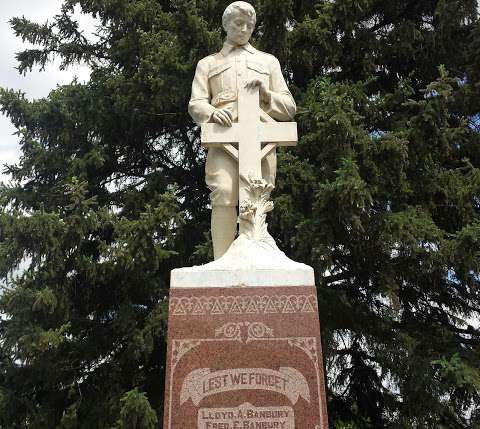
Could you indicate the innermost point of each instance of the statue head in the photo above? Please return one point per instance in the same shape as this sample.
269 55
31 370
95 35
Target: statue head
239 21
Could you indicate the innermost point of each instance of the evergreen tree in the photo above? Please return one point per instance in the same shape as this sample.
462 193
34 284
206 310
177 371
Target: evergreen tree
381 197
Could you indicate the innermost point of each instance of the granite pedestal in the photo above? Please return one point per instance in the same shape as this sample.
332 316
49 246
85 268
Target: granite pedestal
244 357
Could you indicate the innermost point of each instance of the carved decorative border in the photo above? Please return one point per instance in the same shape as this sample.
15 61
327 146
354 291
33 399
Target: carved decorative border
308 345
181 348
256 304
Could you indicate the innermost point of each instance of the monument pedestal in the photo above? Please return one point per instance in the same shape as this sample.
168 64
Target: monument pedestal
244 357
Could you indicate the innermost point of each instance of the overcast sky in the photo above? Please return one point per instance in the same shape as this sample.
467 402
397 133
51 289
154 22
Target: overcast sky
35 84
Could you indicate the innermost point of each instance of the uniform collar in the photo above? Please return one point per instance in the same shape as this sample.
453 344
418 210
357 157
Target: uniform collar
228 47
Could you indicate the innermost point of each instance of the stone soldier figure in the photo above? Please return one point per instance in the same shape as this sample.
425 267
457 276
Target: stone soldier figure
215 89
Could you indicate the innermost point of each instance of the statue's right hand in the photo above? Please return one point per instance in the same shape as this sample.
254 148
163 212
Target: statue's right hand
223 117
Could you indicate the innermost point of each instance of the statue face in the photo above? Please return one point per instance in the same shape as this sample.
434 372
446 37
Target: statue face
239 28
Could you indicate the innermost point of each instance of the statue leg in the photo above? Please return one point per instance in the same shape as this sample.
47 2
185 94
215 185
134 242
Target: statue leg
224 229
269 167
221 176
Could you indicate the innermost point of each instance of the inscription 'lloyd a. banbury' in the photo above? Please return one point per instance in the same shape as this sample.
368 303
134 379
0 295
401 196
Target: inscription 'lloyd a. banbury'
246 416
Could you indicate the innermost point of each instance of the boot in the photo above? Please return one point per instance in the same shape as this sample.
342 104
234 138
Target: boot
224 229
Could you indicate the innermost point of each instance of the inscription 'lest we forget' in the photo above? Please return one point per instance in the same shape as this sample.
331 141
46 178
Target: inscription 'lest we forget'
246 416
248 379
203 382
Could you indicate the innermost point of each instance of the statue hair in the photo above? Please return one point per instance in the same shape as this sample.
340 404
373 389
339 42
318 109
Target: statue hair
239 7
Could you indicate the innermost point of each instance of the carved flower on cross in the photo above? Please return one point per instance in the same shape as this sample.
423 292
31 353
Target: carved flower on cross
260 185
247 209
253 210
268 207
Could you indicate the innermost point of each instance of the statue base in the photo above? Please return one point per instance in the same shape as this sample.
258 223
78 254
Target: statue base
246 263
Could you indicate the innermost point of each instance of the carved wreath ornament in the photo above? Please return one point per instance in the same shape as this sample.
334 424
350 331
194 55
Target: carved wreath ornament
254 331
253 211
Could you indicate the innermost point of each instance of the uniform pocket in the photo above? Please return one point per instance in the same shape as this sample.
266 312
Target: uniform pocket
218 69
258 71
257 67
218 78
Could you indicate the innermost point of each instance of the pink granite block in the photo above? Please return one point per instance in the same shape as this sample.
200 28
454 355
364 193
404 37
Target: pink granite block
244 358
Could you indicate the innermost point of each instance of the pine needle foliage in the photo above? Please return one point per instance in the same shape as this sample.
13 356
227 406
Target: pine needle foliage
381 197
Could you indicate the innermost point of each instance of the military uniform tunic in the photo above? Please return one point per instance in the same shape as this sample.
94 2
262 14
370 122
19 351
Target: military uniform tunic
217 82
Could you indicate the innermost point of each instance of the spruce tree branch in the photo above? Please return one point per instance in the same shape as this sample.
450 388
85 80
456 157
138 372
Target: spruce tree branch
337 277
355 352
401 15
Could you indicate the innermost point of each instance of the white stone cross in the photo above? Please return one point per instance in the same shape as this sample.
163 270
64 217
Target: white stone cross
256 134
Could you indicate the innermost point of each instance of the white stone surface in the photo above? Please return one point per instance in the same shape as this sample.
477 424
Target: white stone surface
246 263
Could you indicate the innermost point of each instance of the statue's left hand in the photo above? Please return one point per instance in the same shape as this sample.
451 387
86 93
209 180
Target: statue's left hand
264 91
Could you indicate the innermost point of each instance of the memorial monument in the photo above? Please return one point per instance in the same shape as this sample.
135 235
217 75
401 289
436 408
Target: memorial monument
244 342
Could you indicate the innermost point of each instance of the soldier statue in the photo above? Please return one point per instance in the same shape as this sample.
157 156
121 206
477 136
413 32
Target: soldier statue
215 88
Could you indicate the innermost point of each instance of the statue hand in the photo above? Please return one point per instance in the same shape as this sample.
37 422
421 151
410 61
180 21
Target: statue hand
264 91
223 117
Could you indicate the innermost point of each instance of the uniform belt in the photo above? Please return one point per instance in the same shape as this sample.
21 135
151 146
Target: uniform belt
224 97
